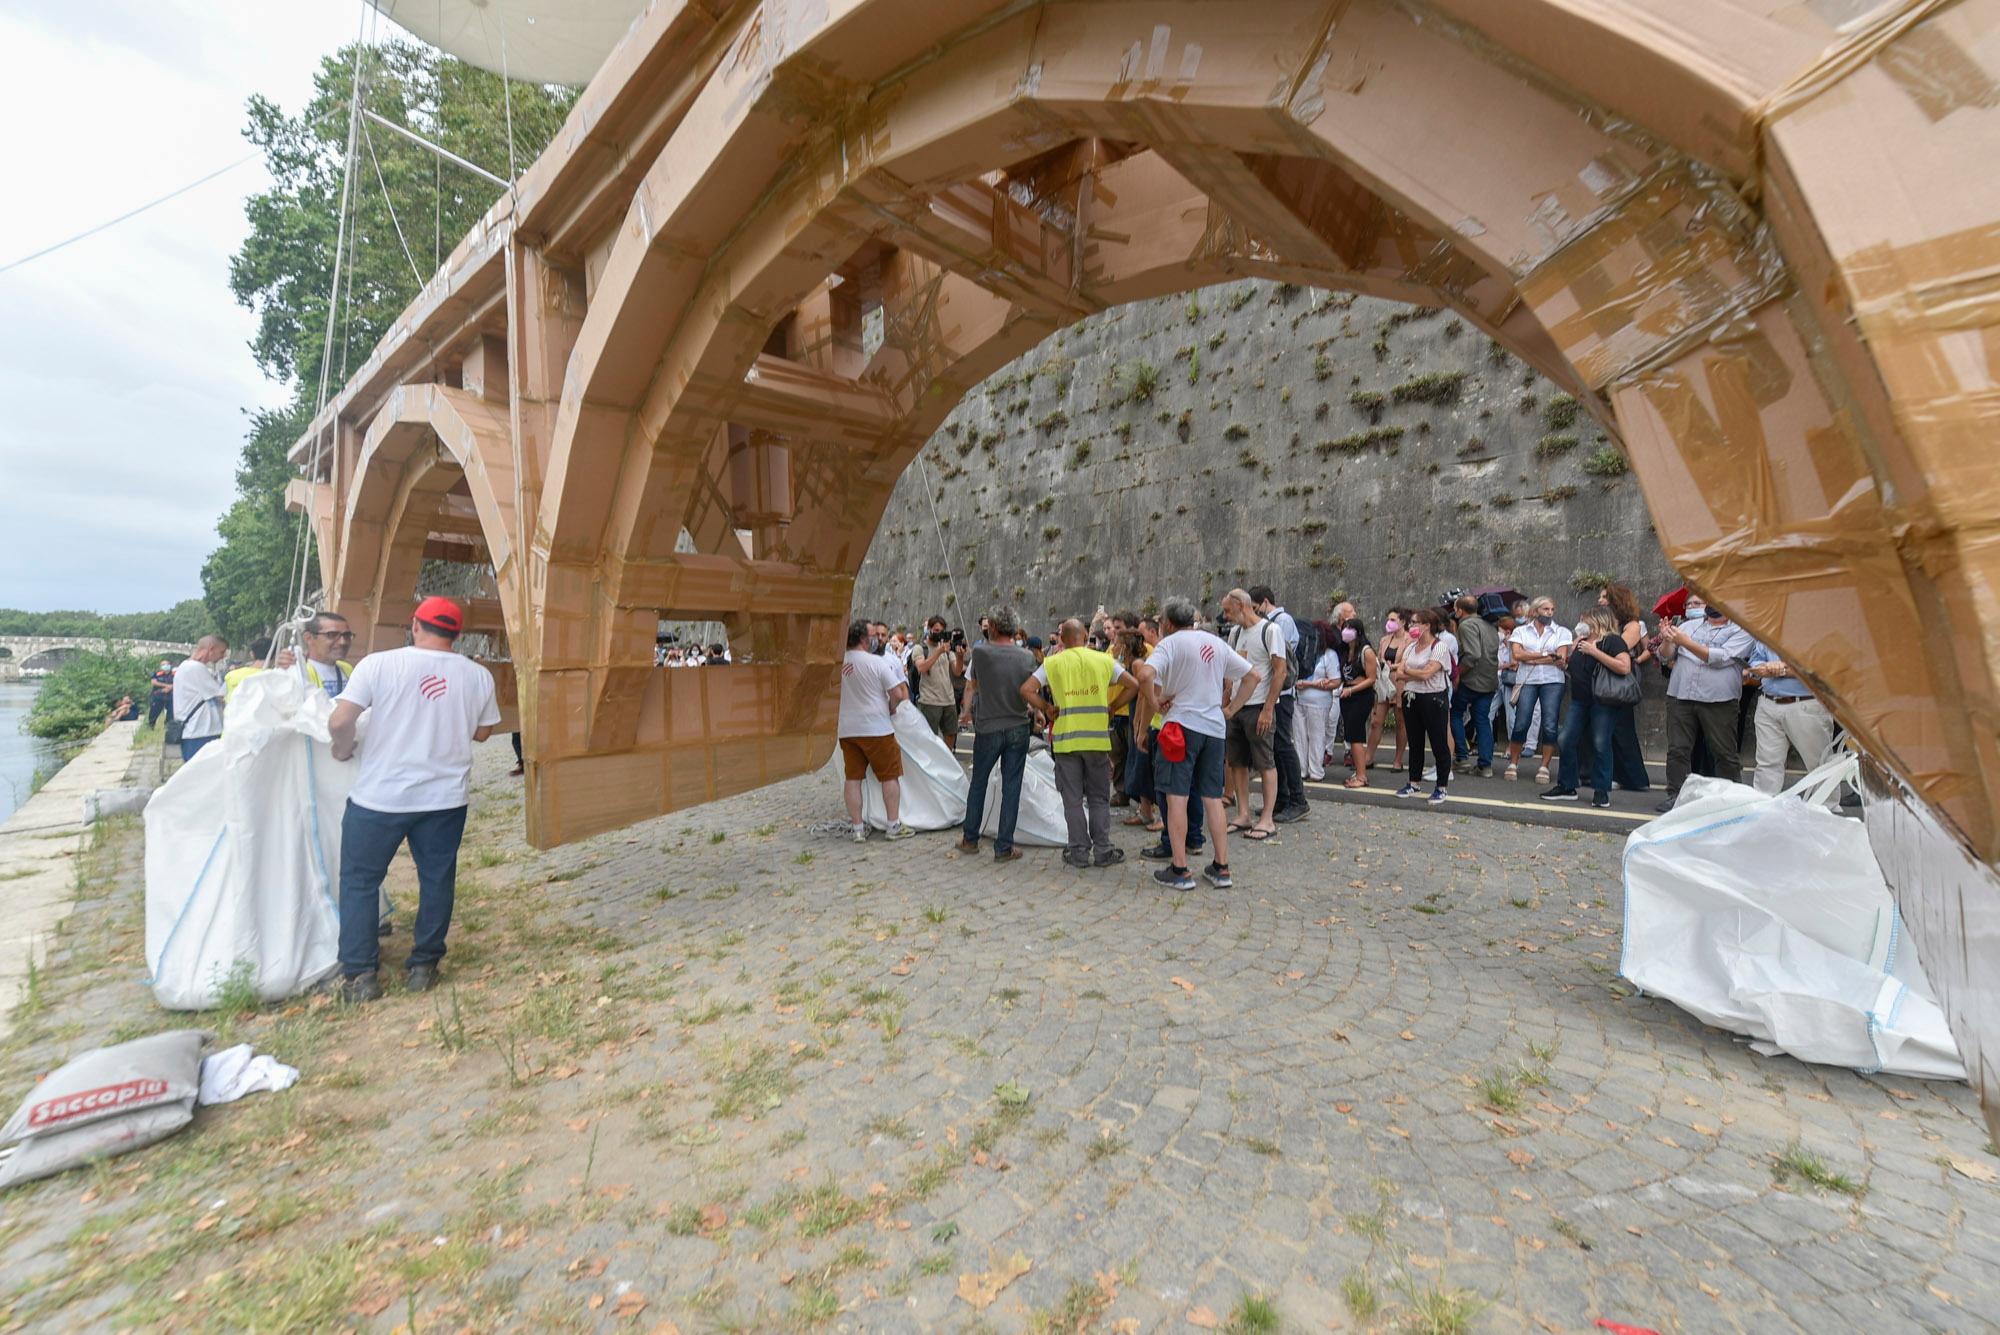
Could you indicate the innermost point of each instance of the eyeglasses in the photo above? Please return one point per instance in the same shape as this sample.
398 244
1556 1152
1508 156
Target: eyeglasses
331 634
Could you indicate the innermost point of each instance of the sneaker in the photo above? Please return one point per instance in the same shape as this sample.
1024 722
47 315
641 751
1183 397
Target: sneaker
1542 774
1157 853
1437 796
1483 772
899 831
1174 878
1074 859
1286 815
1461 761
968 845
1218 876
1513 772
421 977
1300 812
361 987
1600 800
1011 855
1409 790
859 834
1665 807
1110 857
1559 794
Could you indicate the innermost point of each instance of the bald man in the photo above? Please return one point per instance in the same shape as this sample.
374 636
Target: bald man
199 695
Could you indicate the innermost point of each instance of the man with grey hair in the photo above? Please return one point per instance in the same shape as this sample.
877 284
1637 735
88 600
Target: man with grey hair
199 695
326 639
1185 680
998 716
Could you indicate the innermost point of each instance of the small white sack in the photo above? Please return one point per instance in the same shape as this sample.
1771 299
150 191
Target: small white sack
228 1075
1768 916
243 852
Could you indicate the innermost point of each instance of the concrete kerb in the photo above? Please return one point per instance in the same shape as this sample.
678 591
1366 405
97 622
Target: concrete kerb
39 845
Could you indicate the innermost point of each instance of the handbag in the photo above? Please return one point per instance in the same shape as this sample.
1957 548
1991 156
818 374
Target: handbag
1612 689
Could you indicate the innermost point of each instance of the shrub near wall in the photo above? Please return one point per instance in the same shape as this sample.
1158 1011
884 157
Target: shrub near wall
74 699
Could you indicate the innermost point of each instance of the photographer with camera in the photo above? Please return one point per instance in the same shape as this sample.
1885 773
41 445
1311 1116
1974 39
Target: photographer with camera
931 666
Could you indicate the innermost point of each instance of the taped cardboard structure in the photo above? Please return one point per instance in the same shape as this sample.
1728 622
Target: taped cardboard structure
1760 241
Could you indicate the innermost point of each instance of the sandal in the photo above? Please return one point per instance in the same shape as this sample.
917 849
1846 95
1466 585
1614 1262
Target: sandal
1133 820
1356 781
1257 836
1238 827
1155 827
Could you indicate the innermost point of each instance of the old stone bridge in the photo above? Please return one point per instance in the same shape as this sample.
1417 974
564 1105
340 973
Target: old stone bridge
44 653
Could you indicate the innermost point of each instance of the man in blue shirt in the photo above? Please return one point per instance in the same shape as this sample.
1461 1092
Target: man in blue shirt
1789 718
1706 654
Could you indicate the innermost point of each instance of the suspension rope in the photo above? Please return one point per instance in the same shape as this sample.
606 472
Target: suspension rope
128 214
938 527
394 221
507 103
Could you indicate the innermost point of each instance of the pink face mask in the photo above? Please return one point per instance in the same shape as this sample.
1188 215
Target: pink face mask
1347 634
1392 625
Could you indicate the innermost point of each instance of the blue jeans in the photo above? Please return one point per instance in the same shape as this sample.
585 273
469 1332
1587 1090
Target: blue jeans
190 745
1145 759
1600 721
1549 694
368 839
1009 747
1480 703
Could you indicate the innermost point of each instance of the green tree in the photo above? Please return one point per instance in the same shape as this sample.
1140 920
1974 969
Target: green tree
76 697
408 210
182 623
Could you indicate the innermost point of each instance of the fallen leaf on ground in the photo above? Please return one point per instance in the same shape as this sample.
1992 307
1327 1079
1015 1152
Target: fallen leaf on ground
665 1328
1203 1317
1708 1289
630 1303
1343 1107
596 1301
376 1303
580 1124
206 1222
1407 1036
981 1289
1973 1169
1520 1158
878 1189
713 1217
1182 983
1295 974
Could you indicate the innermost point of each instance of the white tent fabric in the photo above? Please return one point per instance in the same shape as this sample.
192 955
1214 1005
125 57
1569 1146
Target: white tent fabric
1767 916
545 41
243 852
935 786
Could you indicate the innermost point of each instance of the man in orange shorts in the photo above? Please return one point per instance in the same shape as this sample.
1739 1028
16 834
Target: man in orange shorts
871 685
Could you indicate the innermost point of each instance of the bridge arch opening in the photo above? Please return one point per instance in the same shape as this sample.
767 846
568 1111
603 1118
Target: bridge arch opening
1005 178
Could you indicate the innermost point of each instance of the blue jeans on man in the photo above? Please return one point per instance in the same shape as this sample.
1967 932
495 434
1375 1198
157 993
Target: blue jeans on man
1480 705
368 839
191 745
1153 767
1008 748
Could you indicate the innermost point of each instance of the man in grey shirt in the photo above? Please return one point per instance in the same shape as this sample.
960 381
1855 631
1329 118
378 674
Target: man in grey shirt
1478 679
998 717
1707 653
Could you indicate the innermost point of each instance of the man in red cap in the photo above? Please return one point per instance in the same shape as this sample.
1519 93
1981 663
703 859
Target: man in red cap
428 704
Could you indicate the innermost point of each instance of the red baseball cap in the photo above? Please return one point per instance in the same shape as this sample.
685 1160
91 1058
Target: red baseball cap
441 612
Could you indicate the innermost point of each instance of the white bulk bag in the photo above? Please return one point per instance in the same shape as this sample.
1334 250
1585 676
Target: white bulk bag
1767 916
935 787
243 851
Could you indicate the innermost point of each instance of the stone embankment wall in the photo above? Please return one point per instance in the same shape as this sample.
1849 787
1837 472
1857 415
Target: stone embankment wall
1323 443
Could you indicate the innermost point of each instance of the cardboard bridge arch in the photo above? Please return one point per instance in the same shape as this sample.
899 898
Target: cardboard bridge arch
1755 245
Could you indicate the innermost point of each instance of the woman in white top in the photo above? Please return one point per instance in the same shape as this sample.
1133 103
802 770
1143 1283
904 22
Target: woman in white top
1423 676
1541 649
1316 694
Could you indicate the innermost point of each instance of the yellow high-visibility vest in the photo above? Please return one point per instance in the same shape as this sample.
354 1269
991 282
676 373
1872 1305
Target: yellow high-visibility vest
1080 684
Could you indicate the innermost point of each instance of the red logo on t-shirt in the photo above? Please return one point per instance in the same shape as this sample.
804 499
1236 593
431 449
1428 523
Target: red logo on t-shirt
432 687
847 669
1208 653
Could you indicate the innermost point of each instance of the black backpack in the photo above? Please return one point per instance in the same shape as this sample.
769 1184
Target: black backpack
1308 652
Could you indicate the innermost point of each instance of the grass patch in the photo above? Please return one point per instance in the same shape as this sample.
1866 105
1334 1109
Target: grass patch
1107 1145
1436 1309
1254 1315
1357 1291
1605 461
753 1082
1800 1164
1497 1091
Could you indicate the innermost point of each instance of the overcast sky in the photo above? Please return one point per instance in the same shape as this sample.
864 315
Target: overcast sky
124 367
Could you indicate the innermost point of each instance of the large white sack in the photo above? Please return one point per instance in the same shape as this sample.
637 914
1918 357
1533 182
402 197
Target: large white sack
1767 916
935 786
243 851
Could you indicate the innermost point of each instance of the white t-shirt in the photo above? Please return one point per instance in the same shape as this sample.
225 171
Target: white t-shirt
1538 640
1328 668
198 700
1442 650
424 705
1260 644
1193 667
865 682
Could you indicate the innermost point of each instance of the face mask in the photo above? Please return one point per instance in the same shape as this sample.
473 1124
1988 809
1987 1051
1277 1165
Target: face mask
1347 635
1392 625
1544 618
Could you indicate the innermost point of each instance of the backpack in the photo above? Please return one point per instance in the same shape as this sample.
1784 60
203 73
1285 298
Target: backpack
1311 646
916 677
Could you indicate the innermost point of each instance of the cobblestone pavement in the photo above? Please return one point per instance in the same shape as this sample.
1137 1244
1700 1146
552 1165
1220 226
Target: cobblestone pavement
720 1072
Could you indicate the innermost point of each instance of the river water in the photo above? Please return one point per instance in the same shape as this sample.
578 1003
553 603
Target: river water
20 754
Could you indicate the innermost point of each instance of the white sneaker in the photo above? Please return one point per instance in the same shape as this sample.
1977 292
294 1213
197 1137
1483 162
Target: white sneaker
860 834
1431 773
899 831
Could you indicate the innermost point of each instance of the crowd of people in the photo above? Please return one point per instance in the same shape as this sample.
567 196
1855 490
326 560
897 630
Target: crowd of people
1174 715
